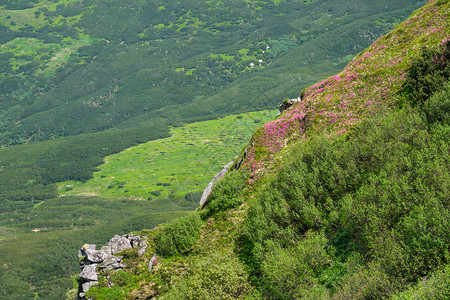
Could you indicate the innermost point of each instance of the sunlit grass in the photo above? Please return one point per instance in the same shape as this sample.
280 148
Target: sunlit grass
174 166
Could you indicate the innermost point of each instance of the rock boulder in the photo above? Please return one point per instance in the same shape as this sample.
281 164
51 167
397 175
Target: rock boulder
119 243
104 259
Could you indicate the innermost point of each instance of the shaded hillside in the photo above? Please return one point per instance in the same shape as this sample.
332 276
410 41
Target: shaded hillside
343 196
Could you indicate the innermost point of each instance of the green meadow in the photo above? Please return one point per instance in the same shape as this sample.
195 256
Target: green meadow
174 166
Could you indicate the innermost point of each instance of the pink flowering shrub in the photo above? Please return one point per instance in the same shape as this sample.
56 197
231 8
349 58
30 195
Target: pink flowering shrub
368 85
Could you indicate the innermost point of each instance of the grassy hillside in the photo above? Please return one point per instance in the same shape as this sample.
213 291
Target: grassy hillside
370 84
131 80
343 196
29 172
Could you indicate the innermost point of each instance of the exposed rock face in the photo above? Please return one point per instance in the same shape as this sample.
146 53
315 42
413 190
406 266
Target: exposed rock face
208 189
112 263
288 103
85 287
105 258
142 247
89 273
94 255
119 244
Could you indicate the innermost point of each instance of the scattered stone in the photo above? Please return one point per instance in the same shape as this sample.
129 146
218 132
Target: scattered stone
84 248
105 259
111 263
119 243
109 284
85 286
95 256
134 240
107 250
142 247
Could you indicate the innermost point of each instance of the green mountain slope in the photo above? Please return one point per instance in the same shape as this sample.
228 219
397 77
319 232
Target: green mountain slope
343 196
81 80
73 69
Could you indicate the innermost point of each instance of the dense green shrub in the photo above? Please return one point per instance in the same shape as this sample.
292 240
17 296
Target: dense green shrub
425 233
291 273
226 193
438 106
380 192
427 74
369 282
178 237
217 276
435 287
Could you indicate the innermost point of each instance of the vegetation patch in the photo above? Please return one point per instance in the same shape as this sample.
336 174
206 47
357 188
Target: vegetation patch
178 237
371 83
174 166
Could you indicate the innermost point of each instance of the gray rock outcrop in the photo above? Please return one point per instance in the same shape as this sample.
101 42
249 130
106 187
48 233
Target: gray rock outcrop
119 244
92 260
85 287
89 273
111 263
208 189
288 103
142 247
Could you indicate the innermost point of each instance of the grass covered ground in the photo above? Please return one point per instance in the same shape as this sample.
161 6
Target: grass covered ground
174 166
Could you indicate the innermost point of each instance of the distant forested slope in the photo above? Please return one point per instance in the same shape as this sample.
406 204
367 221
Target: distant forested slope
69 67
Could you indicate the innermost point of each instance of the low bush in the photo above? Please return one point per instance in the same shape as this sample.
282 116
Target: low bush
438 106
225 193
292 273
178 237
380 192
217 276
427 74
435 287
369 282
